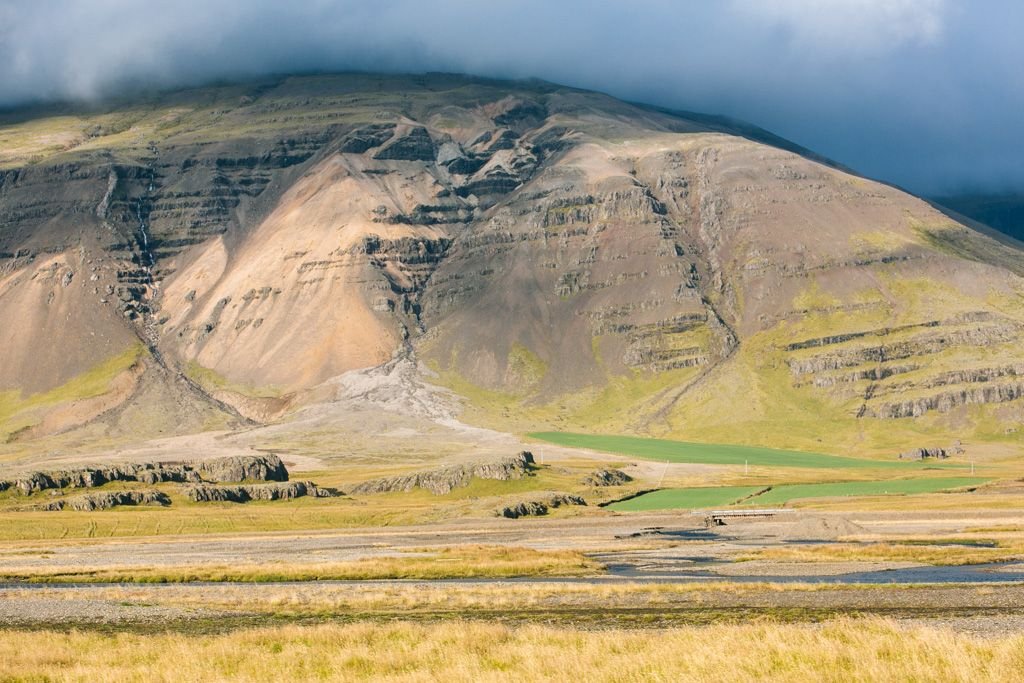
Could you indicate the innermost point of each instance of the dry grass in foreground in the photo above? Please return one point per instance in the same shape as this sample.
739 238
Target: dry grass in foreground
313 598
840 650
924 553
459 562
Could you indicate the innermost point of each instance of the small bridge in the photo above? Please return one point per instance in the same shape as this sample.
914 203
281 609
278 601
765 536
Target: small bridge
718 517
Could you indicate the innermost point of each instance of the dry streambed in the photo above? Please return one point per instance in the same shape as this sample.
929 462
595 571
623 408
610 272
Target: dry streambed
224 607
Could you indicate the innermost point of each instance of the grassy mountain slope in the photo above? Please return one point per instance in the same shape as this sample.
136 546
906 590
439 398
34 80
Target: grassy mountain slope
559 258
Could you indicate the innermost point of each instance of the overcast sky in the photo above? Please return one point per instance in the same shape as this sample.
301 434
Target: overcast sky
928 94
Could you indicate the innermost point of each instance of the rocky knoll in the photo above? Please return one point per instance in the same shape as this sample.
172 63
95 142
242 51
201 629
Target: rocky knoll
146 473
243 468
539 507
229 469
109 499
925 453
205 480
442 481
609 477
244 494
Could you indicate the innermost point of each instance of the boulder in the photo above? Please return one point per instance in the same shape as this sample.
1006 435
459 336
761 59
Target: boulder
532 508
609 477
539 507
560 499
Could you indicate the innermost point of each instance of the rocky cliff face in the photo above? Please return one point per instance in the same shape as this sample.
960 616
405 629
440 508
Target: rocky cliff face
573 257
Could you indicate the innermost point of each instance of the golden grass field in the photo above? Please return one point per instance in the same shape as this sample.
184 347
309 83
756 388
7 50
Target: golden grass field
461 562
840 650
368 598
894 552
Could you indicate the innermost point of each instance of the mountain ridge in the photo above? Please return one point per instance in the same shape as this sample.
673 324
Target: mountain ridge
557 257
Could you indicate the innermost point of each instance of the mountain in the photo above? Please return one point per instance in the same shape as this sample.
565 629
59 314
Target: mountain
1001 211
210 258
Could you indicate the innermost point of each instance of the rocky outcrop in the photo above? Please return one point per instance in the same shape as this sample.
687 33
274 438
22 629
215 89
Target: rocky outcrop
531 508
366 138
539 507
925 453
899 350
518 466
416 145
230 469
849 336
946 401
609 477
900 374
519 113
494 181
236 469
246 493
442 481
465 164
146 473
267 468
875 373
109 499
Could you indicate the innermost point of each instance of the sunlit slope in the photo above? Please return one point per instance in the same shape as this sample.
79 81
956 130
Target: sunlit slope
743 295
560 259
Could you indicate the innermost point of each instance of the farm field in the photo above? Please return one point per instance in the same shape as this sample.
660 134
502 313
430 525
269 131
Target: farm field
788 492
711 496
711 453
689 498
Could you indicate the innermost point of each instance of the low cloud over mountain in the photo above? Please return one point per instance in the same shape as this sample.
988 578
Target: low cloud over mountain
923 93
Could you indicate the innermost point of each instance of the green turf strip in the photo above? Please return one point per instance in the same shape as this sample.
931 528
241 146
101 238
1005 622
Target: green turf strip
670 499
787 492
708 454
716 496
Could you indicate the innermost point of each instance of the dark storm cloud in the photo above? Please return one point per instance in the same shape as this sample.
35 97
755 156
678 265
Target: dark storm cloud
925 93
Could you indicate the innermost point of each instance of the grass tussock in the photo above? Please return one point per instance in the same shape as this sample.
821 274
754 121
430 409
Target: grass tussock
840 650
461 562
